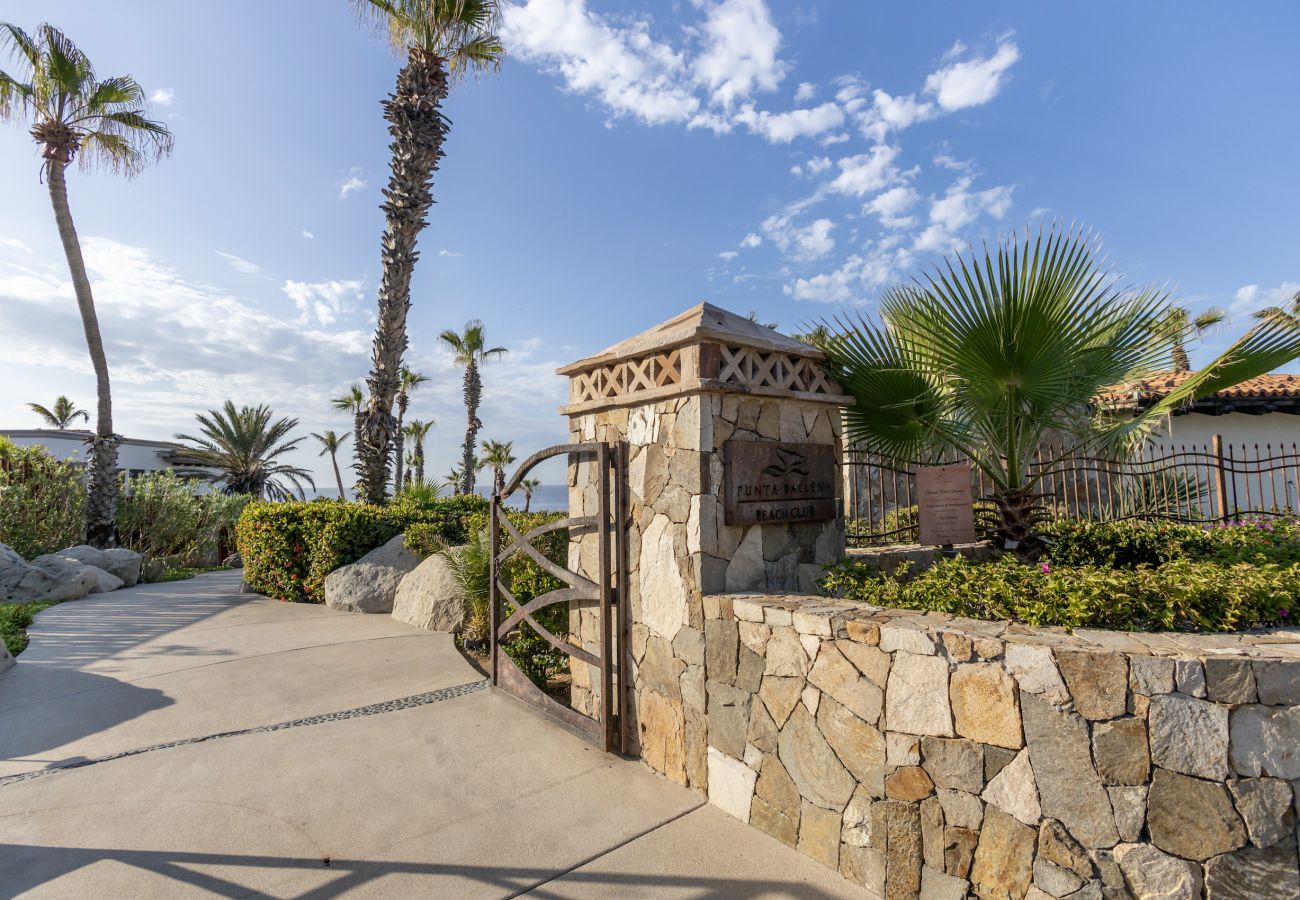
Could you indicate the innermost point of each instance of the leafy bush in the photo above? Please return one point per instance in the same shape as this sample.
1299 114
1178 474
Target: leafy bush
1182 595
159 515
42 500
15 618
1127 544
289 548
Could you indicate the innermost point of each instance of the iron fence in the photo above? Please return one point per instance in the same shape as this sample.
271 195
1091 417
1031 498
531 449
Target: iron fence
1207 483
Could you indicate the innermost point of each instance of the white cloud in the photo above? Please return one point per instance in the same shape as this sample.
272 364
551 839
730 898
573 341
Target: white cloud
1251 298
239 264
350 184
782 128
751 241
450 254
891 206
866 172
888 113
974 81
956 209
326 301
855 278
162 96
800 242
805 92
812 167
728 255
307 235
739 56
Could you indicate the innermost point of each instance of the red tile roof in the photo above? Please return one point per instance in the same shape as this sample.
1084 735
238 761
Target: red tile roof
1265 387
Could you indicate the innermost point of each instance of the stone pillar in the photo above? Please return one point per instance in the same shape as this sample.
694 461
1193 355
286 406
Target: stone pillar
677 395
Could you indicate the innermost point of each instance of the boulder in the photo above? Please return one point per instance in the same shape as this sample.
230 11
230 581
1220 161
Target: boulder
47 578
123 563
370 584
429 596
84 554
105 581
233 561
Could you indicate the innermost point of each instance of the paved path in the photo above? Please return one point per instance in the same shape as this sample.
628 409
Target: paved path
185 740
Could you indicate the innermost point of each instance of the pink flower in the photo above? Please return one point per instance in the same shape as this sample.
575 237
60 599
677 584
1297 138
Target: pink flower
1046 567
1283 613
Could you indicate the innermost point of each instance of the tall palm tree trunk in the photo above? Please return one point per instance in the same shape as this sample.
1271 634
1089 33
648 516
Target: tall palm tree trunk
399 443
338 476
418 128
101 491
419 460
473 394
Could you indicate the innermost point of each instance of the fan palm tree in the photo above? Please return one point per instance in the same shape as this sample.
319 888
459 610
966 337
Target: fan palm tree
1186 326
75 115
243 445
985 357
417 431
330 443
528 486
471 350
442 41
496 456
407 383
61 415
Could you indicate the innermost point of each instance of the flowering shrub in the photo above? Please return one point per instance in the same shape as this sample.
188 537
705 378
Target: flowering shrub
1129 544
289 548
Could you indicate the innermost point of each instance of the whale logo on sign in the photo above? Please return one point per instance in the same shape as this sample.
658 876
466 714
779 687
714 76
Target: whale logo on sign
788 463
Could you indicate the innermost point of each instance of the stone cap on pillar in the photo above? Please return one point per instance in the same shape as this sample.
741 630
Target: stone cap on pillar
705 349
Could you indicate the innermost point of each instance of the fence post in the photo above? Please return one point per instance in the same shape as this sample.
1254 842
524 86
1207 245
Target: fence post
1221 482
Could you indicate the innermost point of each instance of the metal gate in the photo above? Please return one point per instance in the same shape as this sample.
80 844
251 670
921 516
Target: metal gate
605 594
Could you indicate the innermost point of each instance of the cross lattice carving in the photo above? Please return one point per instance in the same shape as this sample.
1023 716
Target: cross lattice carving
748 367
628 376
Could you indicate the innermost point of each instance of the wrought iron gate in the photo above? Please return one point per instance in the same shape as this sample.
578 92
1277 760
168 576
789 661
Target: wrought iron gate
608 726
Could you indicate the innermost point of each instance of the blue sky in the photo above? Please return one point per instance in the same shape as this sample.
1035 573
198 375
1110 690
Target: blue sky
628 161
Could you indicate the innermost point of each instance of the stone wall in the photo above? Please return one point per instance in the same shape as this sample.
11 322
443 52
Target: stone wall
680 548
925 755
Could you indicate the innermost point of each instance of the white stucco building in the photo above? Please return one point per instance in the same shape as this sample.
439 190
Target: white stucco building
134 456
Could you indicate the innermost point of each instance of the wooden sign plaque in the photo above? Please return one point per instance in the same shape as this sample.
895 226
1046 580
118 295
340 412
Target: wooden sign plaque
778 483
944 511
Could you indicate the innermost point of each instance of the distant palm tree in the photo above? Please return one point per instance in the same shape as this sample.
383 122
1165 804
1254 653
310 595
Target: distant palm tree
330 443
417 431
470 347
496 456
451 481
409 381
72 113
63 414
1184 325
353 402
442 40
243 445
528 485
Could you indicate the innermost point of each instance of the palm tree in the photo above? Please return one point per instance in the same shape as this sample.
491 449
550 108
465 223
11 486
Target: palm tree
62 415
496 456
452 480
442 40
243 445
330 443
409 381
1186 326
985 358
528 486
74 115
417 431
353 402
470 347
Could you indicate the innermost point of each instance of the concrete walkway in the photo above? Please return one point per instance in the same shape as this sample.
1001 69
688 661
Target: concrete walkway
155 706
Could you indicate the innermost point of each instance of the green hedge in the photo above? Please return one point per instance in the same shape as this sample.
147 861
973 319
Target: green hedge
1181 595
42 500
1074 542
289 548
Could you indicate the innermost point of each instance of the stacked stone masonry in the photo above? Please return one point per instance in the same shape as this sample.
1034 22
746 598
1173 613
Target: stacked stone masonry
928 756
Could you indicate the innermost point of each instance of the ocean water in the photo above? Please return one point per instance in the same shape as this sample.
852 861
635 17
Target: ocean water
546 498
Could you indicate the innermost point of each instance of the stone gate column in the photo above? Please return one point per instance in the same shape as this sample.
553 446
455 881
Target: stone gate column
733 435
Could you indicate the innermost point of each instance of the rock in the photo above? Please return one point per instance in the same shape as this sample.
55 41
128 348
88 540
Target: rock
1014 791
916 700
105 581
749 672
233 561
1189 736
960 809
1266 741
1151 675
777 788
811 698
935 885
48 578
762 730
860 747
6 659
1120 750
10 558
932 832
812 763
429 596
1266 806
780 695
1056 846
1253 874
901 637
663 734
84 554
1068 786
953 763
860 821
959 850
870 661
1004 858
995 760
1097 681
370 584
721 649
665 602
903 851
1130 805
785 654
688 645
755 636
1191 818
909 783
728 718
774 822
660 671
1036 672
1189 677
1230 679
819 835
731 784
984 705
1152 875
902 749
864 866
125 564
840 678
1054 880
1278 682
